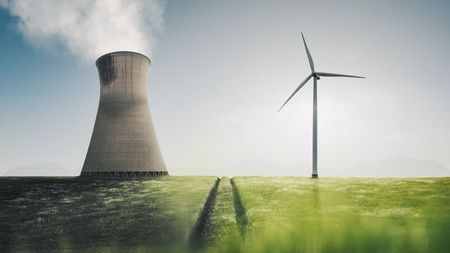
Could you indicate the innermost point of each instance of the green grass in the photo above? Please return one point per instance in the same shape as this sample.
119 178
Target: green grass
221 226
257 214
292 214
95 215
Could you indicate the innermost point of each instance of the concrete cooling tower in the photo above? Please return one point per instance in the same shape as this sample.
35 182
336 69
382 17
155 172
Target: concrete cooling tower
124 141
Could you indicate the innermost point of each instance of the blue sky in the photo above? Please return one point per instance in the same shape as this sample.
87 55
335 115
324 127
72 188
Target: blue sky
221 69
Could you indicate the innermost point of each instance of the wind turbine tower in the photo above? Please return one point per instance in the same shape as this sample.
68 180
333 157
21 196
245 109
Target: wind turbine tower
316 76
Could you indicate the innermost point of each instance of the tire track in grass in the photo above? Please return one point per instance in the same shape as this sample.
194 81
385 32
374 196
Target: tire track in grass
239 208
217 226
198 234
222 228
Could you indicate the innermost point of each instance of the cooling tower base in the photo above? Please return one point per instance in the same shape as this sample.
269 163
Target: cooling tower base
123 173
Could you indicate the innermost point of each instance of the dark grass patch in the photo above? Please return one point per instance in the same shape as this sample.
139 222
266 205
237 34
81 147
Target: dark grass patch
95 214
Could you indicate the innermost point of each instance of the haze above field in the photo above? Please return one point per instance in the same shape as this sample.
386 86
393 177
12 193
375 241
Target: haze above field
222 69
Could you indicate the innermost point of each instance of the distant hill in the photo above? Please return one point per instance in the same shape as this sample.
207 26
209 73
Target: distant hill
41 170
391 167
398 167
263 168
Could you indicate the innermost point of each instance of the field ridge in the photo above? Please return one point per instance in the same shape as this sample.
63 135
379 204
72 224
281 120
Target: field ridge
240 210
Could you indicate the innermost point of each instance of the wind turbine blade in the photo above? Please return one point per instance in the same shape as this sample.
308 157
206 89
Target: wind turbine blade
311 62
298 88
325 74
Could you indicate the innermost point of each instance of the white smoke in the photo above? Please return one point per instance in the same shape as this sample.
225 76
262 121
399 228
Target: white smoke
89 28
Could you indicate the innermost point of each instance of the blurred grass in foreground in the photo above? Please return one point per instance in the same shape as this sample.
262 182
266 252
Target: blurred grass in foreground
293 214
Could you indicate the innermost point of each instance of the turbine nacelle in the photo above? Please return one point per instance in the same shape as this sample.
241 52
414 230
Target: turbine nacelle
314 74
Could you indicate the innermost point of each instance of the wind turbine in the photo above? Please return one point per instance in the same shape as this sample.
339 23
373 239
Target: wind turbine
316 76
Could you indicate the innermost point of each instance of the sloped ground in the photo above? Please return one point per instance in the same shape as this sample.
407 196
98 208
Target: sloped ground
99 215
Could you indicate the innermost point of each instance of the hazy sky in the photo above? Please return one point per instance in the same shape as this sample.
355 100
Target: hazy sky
221 69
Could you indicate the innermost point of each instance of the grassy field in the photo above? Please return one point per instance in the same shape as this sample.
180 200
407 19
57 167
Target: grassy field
246 214
290 214
94 215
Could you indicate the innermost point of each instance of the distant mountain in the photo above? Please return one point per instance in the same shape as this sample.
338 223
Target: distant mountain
175 170
398 167
245 168
391 167
41 170
263 168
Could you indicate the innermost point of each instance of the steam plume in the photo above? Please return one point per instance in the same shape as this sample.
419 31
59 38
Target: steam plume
89 28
